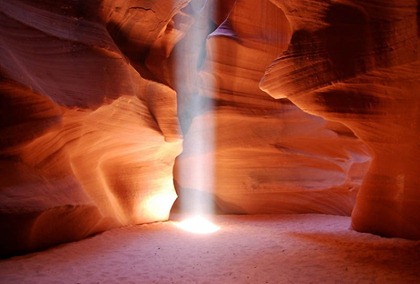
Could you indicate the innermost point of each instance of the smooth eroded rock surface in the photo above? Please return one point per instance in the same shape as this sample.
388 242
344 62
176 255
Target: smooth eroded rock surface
357 63
245 106
262 155
86 142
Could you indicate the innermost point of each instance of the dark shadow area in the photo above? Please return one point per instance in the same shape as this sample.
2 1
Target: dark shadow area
348 101
418 18
347 39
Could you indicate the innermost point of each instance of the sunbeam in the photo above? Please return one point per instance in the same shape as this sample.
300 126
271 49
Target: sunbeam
196 177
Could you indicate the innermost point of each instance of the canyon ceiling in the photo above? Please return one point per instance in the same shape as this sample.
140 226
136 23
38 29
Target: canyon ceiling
109 107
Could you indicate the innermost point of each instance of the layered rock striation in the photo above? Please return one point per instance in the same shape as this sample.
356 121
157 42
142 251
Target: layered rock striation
247 106
87 143
356 62
262 155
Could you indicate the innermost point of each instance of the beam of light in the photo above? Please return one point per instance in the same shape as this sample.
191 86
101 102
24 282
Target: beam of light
198 225
195 88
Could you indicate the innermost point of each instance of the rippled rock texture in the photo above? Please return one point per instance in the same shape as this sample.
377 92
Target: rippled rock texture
264 155
87 143
357 62
254 106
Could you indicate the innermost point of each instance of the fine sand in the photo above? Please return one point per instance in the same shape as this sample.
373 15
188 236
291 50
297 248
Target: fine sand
246 249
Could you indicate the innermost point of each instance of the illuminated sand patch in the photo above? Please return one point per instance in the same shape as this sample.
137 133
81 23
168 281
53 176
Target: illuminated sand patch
198 225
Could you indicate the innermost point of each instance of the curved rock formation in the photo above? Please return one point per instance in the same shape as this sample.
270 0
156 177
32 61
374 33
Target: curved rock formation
282 104
264 156
356 62
86 143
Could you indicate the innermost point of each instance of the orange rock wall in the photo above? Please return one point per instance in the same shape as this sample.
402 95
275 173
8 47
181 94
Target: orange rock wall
356 62
287 106
87 143
268 156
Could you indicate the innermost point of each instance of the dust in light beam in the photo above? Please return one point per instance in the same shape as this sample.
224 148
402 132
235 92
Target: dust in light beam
195 97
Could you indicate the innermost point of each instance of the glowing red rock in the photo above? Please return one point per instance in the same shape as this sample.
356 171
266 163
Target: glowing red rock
91 93
357 63
269 156
87 144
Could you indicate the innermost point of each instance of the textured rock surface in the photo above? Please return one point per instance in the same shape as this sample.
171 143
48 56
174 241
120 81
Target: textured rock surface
86 142
281 103
268 156
356 62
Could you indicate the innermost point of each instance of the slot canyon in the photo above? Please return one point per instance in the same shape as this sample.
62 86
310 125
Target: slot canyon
119 115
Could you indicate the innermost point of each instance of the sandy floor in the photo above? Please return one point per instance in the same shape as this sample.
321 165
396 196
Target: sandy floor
247 249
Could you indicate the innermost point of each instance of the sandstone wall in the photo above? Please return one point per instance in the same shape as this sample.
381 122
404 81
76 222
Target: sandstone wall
254 106
358 64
